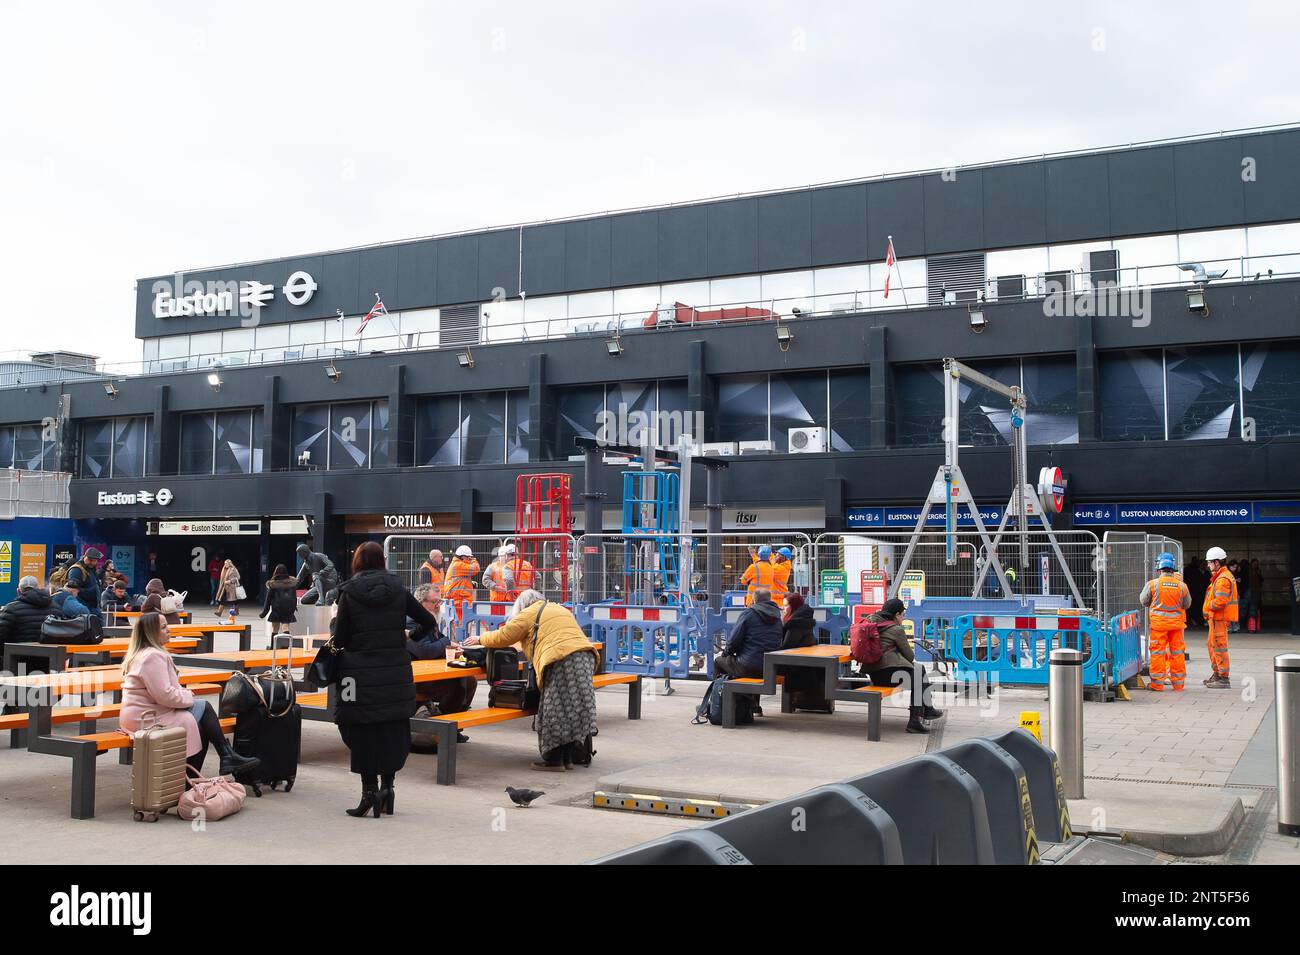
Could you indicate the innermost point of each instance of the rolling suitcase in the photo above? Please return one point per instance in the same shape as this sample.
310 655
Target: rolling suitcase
157 769
271 731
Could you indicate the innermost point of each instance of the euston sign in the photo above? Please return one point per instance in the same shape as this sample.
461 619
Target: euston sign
226 298
163 497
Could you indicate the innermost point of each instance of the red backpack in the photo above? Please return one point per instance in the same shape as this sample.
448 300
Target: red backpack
864 642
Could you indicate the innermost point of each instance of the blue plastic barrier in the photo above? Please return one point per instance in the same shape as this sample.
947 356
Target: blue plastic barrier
832 624
1124 644
652 641
1015 647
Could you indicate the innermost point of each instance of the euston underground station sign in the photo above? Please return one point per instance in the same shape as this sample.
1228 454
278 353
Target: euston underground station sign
894 518
1194 512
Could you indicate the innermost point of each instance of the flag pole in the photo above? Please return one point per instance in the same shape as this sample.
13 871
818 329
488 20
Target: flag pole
902 286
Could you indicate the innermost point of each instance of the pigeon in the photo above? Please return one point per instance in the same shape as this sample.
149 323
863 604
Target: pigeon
522 797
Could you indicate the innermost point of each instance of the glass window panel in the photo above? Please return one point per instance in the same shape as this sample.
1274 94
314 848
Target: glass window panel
906 286
842 288
1216 249
31 451
96 448
635 304
850 411
237 340
259 439
984 418
437 430
196 444
174 346
6 447
1031 263
918 403
517 446
271 342
234 452
674 413
308 333
786 291
694 294
1073 257
1202 392
130 446
576 411
483 427
503 321
350 435
379 446
546 316
1132 395
630 412
1270 381
1148 260
311 425
742 408
1053 415
591 305
206 346
798 401
1273 248
420 328
150 349
738 291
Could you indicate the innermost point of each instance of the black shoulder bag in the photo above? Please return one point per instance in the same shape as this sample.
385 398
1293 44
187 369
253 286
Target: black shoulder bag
520 694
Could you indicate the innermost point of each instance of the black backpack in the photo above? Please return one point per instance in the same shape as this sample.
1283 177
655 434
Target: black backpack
710 708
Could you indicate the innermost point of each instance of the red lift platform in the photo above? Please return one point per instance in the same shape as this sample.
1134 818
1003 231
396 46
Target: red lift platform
543 525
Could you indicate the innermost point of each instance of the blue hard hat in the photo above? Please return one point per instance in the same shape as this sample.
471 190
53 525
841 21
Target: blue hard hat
1166 562
765 552
786 552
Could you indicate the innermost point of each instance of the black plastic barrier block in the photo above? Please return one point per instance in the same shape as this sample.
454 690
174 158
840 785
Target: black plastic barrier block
939 810
692 847
1006 797
1046 792
829 825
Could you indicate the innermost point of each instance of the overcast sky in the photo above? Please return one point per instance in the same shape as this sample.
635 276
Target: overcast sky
139 139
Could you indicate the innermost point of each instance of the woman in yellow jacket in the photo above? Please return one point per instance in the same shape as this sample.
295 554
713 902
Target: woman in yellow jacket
565 662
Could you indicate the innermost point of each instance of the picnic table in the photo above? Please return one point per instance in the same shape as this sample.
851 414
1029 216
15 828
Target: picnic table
248 661
35 697
205 632
48 657
130 615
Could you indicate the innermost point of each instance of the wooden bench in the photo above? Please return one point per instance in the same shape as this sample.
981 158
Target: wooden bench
83 750
446 726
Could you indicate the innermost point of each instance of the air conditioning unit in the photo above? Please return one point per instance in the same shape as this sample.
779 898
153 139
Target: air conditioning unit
1010 287
726 449
807 440
757 447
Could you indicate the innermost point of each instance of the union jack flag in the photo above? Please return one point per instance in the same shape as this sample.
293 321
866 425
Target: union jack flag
889 264
376 310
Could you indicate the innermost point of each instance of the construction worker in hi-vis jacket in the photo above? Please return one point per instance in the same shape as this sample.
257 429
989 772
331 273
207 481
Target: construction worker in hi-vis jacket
1167 599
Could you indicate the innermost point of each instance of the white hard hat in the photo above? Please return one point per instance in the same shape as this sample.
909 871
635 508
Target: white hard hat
464 551
1216 553
508 549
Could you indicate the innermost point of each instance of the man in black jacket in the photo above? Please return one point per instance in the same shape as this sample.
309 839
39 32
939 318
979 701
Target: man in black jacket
21 619
758 631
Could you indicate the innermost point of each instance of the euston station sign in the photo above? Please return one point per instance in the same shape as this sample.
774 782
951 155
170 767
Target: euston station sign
1187 512
161 497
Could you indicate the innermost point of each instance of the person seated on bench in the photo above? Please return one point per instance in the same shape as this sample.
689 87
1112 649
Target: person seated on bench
154 592
115 597
898 667
758 631
797 624
152 695
565 663
21 618
450 696
67 602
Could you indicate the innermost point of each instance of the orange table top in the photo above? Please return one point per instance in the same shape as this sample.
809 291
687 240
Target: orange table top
836 651
258 658
430 671
105 679
136 613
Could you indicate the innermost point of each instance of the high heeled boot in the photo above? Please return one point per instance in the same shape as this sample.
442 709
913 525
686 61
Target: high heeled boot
369 803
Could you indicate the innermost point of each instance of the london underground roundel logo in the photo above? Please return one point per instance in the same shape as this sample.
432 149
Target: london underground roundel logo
1051 488
164 496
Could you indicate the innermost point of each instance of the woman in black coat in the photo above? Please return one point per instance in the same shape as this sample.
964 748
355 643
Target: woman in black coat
797 625
376 692
281 604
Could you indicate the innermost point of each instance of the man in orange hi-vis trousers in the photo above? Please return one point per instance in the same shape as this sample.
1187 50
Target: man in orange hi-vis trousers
1167 598
458 585
1220 610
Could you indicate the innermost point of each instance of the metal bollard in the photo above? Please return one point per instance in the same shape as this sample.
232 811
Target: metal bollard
1286 687
1065 707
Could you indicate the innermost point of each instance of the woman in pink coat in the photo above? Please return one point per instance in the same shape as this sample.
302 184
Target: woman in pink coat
152 693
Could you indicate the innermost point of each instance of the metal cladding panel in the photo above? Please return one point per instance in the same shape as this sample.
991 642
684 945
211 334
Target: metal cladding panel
954 212
1013 205
896 207
544 259
1207 176
785 231
377 272
417 275
1142 191
340 275
1275 193
839 225
634 248
457 258
1077 198
732 237
498 264
587 254
683 243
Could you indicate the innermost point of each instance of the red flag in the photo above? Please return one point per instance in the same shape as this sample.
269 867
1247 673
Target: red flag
377 309
889 264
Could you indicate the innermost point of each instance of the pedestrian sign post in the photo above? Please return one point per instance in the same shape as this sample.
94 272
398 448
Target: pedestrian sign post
834 588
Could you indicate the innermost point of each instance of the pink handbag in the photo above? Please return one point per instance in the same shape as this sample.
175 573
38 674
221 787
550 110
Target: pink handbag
210 798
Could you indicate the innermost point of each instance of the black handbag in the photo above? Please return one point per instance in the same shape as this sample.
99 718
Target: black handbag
475 656
512 695
324 670
72 630
515 694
